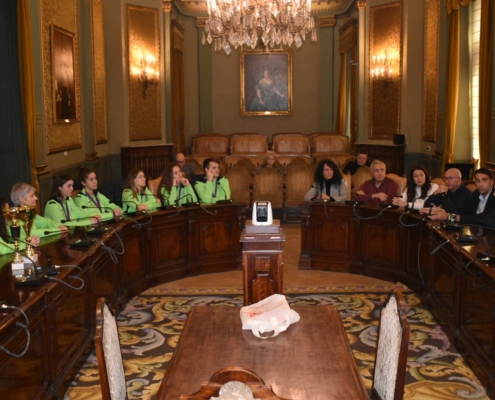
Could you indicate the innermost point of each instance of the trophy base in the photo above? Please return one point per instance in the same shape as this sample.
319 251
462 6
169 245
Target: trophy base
31 280
17 268
31 255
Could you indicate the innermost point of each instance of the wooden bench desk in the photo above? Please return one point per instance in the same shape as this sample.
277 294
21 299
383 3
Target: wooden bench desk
311 360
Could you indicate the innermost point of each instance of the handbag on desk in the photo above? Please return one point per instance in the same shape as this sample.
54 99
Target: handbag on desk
270 314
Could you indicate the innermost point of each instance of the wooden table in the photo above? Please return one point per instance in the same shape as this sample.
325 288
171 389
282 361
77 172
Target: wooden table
311 360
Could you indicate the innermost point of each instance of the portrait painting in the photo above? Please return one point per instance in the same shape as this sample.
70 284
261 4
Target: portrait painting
64 88
266 83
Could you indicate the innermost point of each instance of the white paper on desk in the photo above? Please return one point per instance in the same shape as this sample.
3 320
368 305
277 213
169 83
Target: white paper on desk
270 314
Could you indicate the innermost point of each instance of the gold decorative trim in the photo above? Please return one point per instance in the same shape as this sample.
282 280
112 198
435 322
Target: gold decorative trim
201 22
430 67
177 37
66 136
361 3
196 7
167 6
100 122
348 35
385 100
272 70
143 39
326 22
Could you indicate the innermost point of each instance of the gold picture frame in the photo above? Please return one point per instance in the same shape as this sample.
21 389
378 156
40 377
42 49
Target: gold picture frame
266 83
63 76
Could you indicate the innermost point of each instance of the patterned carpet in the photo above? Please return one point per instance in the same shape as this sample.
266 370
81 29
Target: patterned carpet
151 323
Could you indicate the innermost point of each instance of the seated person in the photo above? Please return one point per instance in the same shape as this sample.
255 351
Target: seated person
481 202
136 196
215 187
89 198
271 162
180 159
379 189
453 196
6 245
419 188
175 188
62 209
23 194
361 160
328 184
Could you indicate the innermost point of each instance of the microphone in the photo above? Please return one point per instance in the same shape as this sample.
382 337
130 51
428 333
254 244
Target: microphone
462 237
217 182
137 212
488 256
82 243
179 198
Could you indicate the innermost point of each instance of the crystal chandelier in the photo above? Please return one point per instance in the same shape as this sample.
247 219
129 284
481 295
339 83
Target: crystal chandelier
237 22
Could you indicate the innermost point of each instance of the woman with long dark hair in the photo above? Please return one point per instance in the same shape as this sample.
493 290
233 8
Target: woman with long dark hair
175 187
419 188
90 198
328 184
62 209
136 196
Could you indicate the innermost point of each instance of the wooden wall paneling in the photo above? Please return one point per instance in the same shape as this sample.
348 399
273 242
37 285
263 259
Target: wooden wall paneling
134 261
70 325
36 364
169 253
152 160
392 155
306 231
477 322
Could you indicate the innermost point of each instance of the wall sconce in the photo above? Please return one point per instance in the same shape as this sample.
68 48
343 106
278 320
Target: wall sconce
382 67
146 73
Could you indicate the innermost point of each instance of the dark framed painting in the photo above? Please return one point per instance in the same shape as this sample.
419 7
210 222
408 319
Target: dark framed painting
266 83
63 77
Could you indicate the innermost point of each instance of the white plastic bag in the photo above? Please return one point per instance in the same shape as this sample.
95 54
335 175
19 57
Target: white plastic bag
270 314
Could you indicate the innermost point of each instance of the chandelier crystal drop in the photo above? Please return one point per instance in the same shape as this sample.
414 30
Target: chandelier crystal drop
233 23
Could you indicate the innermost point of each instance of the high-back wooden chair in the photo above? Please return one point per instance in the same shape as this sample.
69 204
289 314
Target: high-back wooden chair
240 179
154 185
362 175
222 379
268 185
391 350
110 364
401 182
298 180
348 183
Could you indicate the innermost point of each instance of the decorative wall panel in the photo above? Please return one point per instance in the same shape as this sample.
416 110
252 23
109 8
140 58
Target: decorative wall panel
60 136
430 82
144 95
99 75
384 103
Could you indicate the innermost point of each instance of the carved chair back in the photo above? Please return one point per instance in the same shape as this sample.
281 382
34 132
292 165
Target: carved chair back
391 350
268 185
110 364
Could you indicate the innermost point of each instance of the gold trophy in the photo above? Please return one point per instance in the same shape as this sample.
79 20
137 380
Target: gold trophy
27 214
12 214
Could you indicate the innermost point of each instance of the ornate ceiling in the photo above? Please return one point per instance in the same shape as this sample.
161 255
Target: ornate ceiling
319 7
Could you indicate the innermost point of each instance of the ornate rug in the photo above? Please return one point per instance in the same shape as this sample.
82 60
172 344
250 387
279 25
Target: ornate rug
151 323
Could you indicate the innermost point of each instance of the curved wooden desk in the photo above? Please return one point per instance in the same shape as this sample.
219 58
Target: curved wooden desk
175 244
458 288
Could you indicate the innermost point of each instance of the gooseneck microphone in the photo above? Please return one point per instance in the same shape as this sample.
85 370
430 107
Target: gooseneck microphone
82 243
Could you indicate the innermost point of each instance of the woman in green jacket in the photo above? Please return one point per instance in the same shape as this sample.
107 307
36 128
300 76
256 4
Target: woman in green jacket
62 209
136 196
175 188
90 199
24 195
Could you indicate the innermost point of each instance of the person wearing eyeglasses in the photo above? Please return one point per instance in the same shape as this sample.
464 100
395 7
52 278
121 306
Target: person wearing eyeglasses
453 196
481 202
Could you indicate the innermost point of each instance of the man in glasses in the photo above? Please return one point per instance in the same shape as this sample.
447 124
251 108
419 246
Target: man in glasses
453 196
